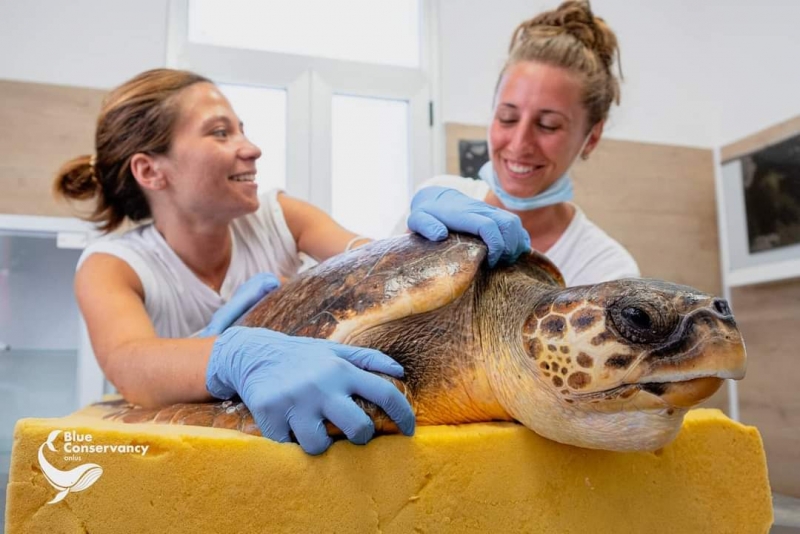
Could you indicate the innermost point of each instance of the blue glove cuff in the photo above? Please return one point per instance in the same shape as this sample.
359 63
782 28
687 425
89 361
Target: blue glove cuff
219 370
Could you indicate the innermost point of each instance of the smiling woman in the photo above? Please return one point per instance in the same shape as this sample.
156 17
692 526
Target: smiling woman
550 105
209 169
173 158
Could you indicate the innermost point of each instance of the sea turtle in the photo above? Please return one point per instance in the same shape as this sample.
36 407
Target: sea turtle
612 366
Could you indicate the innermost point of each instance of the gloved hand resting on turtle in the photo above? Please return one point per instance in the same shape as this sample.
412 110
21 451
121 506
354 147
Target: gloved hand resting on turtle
292 384
435 211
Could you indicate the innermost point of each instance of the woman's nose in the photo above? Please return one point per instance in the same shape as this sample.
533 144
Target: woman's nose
522 139
249 150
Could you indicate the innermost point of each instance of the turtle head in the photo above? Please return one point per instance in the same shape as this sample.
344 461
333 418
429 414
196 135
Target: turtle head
618 364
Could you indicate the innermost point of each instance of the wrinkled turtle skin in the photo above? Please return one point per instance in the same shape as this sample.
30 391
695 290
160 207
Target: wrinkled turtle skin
611 366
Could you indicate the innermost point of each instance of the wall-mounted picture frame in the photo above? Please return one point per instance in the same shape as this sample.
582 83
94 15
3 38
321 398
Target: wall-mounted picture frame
466 149
758 194
472 154
771 186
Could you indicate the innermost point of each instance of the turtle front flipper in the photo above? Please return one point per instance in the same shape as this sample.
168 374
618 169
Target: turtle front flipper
230 414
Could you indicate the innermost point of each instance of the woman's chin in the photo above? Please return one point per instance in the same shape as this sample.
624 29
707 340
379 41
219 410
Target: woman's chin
520 190
253 205
522 186
249 206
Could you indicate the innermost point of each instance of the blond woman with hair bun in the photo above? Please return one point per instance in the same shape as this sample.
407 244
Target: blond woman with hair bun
551 101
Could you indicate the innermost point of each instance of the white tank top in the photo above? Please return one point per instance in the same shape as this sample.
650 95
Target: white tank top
179 303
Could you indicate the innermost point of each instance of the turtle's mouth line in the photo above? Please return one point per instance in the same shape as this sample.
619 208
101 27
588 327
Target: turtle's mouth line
682 393
693 352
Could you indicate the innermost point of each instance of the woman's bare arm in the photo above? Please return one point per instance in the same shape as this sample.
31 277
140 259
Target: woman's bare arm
315 232
146 369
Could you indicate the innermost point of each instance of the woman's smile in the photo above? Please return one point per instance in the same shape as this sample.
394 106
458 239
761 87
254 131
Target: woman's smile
517 170
247 177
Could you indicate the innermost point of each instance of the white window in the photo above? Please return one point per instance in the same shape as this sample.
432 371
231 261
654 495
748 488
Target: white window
370 163
354 83
371 31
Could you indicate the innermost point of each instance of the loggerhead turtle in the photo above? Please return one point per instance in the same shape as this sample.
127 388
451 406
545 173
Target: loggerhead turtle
612 366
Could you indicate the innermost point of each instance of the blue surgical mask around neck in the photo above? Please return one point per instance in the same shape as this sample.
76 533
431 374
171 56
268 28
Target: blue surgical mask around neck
559 191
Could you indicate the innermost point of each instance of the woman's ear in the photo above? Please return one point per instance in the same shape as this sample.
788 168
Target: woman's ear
594 137
147 171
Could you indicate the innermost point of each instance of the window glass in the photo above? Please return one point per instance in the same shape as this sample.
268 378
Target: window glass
369 31
370 167
38 333
263 112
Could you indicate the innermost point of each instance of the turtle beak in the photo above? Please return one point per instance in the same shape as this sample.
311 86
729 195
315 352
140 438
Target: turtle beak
684 394
708 345
716 353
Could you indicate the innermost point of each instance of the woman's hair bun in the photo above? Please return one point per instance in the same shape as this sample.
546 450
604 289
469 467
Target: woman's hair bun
573 17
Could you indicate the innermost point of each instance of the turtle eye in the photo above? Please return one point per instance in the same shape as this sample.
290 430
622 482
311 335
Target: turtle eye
637 317
644 320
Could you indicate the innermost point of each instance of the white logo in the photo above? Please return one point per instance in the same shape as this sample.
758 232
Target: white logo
74 480
83 476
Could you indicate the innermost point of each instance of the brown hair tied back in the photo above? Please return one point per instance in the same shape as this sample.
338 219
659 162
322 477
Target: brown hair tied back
573 38
136 117
77 178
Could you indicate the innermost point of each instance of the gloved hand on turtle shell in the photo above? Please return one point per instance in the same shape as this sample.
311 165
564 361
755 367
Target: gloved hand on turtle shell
294 384
436 209
245 297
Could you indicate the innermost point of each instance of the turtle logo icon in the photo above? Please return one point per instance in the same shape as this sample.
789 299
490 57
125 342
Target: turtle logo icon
65 482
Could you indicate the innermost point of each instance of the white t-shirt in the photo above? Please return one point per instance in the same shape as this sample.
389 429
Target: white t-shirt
584 253
179 303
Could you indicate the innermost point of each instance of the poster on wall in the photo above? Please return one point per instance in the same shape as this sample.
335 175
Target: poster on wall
472 154
771 184
758 196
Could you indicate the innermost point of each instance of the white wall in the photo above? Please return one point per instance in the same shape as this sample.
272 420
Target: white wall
696 73
758 65
89 43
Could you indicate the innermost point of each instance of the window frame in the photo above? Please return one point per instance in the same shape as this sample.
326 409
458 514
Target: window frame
310 83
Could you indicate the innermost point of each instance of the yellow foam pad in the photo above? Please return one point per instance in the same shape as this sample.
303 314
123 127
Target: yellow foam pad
492 477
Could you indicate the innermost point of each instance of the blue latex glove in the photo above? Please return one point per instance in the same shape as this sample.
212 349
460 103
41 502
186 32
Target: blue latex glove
246 296
435 210
295 383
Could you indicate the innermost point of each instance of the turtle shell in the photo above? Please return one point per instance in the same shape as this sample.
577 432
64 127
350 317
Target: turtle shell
382 282
412 298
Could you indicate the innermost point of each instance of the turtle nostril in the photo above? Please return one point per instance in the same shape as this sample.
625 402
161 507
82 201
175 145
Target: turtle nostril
721 305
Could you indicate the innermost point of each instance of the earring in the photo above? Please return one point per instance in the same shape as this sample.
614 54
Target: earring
584 156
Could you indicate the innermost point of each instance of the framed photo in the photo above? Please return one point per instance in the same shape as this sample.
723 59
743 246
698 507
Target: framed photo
467 149
472 154
760 213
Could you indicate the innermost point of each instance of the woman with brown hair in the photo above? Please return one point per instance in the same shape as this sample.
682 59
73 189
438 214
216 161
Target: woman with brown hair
171 154
551 102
